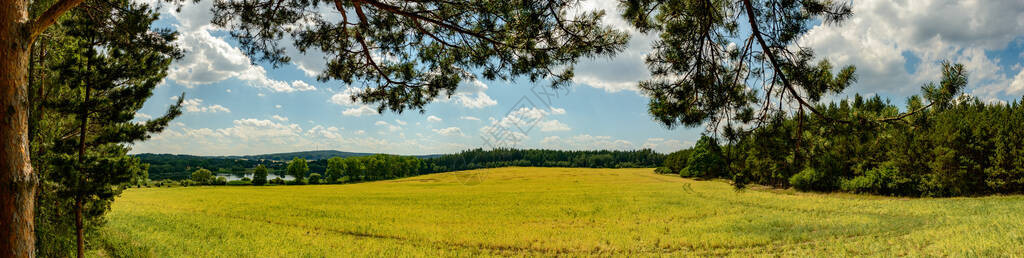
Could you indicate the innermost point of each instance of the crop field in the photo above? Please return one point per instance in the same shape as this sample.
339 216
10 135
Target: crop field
546 212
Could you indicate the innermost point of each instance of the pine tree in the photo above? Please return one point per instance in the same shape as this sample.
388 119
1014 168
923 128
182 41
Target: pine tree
118 62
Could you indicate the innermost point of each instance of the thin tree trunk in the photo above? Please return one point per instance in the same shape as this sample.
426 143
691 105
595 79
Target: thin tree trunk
78 227
17 181
84 118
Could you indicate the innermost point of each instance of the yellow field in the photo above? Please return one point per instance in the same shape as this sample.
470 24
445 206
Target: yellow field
550 211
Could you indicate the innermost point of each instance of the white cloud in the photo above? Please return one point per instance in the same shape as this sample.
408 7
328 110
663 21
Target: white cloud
209 59
665 146
344 98
1017 86
142 116
557 111
251 128
552 126
280 118
471 94
882 34
390 127
363 110
586 142
196 105
472 118
277 106
450 131
320 131
433 119
400 122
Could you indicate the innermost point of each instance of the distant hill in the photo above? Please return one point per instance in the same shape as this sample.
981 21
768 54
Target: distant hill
311 155
178 166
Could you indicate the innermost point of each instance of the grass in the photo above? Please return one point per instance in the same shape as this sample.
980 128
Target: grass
551 211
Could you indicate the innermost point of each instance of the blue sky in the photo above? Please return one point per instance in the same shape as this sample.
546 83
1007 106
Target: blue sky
234 107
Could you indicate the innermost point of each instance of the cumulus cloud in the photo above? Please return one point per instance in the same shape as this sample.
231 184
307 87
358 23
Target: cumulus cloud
209 59
450 131
359 111
471 118
665 146
552 126
887 39
280 118
344 98
433 119
390 127
471 94
586 142
196 106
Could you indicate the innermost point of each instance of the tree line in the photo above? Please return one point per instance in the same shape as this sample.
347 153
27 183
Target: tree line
955 146
383 167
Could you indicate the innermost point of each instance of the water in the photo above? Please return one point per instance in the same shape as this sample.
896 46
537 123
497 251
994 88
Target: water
233 177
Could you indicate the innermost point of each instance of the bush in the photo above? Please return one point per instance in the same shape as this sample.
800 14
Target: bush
220 181
663 170
239 182
202 176
277 181
186 182
885 179
812 180
314 178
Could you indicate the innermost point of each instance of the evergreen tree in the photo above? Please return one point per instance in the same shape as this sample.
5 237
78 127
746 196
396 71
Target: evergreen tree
116 62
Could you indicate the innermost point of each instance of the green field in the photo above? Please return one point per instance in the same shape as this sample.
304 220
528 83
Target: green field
550 211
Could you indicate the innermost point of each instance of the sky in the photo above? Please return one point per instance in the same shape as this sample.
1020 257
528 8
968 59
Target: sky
235 107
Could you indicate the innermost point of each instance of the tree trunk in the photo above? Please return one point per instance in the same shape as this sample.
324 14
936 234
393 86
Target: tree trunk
78 227
84 119
17 181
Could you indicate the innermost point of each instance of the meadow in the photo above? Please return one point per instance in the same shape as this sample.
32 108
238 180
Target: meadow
526 211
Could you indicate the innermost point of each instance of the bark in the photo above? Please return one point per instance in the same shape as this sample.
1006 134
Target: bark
78 227
84 117
17 181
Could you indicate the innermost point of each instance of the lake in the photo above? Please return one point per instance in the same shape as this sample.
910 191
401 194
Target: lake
233 177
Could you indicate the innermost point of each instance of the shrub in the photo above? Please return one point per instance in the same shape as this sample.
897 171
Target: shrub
202 176
314 178
239 182
885 179
220 181
186 182
811 179
277 181
663 170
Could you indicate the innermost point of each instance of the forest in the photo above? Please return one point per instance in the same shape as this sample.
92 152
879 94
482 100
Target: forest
956 145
